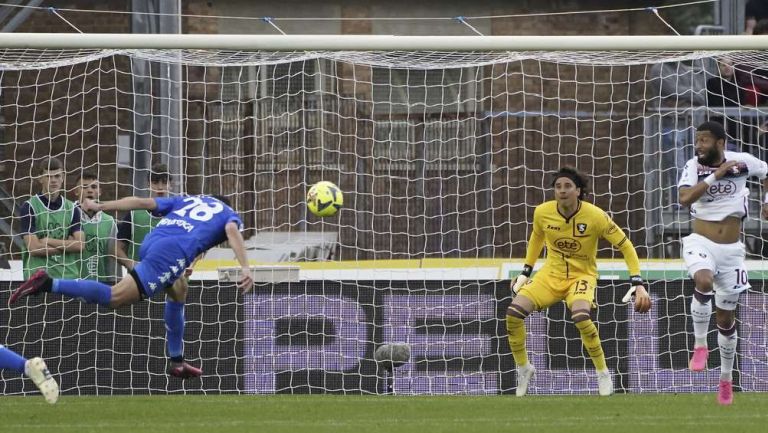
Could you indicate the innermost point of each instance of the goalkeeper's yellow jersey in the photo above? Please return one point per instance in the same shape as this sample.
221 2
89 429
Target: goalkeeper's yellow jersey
572 242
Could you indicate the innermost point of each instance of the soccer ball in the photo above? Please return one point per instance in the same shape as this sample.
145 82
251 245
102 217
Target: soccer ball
324 199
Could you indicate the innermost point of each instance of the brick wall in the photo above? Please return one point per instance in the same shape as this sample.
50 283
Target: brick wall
399 213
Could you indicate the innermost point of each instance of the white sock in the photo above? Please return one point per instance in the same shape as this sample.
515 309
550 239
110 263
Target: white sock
727 345
700 313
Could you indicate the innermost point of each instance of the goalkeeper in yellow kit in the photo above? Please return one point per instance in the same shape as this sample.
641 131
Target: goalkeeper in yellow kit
570 228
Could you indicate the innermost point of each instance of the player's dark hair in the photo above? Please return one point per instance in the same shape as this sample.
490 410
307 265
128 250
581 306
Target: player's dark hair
49 164
86 175
714 128
761 28
159 173
222 199
577 178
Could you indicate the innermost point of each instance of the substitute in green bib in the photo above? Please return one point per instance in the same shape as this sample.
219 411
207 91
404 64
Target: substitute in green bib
50 226
100 229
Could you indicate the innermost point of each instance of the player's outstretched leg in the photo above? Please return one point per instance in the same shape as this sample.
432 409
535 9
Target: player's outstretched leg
38 282
36 370
91 291
10 360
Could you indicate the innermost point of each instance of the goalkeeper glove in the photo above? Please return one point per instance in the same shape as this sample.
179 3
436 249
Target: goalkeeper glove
521 279
637 290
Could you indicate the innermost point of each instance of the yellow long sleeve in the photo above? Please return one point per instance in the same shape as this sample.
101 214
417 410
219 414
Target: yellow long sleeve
535 245
630 256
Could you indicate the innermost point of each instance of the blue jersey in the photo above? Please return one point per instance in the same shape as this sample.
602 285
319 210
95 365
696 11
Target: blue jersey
196 222
190 226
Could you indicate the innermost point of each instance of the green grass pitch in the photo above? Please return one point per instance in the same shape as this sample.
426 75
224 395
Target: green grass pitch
652 413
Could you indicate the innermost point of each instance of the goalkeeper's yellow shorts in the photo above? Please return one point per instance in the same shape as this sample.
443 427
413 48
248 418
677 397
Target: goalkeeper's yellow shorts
545 289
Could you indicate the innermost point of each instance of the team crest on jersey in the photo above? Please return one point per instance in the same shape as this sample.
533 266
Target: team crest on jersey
581 227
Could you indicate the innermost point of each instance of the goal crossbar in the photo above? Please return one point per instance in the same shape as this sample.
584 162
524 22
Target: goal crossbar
379 42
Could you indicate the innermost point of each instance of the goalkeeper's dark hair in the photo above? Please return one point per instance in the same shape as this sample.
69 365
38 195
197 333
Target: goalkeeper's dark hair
222 199
714 128
577 178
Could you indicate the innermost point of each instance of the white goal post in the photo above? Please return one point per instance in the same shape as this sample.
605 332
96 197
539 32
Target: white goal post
442 146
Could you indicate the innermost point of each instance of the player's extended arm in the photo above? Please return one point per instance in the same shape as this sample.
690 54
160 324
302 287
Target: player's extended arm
637 290
126 203
765 198
532 253
237 244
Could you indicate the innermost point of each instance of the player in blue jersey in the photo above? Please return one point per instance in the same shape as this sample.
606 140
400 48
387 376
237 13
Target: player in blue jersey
191 225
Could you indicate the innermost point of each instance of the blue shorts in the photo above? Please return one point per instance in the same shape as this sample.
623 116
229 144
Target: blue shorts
161 262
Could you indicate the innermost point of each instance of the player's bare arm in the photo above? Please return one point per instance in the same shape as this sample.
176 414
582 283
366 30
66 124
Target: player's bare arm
764 211
123 204
237 244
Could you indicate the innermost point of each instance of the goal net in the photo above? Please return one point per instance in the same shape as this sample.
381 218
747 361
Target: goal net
442 157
